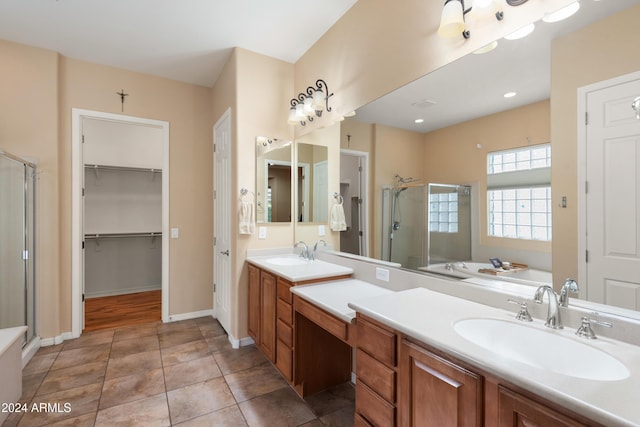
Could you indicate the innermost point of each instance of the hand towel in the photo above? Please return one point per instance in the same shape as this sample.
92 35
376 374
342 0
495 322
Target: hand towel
246 220
338 221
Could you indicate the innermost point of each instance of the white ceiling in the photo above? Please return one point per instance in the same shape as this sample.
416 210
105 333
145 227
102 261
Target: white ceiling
474 86
186 40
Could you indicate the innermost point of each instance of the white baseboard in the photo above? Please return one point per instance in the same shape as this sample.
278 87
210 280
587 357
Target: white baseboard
58 339
242 342
192 315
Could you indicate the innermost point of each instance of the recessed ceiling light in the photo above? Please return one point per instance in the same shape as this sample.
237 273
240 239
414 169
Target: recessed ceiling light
509 94
562 13
522 32
418 121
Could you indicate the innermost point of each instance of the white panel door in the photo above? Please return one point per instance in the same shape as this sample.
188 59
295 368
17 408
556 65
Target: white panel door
222 221
613 196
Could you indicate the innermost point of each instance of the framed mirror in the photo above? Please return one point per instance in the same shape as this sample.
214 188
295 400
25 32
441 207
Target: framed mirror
273 180
312 196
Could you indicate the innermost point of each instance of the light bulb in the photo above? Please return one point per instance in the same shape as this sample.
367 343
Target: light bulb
562 13
452 20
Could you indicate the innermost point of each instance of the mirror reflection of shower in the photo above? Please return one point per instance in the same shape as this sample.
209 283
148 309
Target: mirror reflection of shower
425 223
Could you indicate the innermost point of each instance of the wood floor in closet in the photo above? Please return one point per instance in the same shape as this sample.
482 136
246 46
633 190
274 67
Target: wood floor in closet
122 310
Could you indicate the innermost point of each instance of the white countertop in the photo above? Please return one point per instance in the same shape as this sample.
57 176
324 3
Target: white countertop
306 270
429 316
334 296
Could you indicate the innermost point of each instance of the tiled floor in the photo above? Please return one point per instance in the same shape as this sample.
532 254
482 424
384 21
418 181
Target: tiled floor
183 373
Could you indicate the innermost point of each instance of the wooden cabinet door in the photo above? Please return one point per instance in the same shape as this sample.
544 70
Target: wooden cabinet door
437 392
268 295
254 303
516 410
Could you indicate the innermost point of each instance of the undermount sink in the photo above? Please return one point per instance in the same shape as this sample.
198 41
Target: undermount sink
541 349
287 261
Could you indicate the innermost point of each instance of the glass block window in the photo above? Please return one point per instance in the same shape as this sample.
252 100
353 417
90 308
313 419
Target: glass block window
527 158
443 212
520 213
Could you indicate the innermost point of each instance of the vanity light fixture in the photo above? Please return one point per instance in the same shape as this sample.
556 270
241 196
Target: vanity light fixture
452 22
562 13
310 103
486 48
520 33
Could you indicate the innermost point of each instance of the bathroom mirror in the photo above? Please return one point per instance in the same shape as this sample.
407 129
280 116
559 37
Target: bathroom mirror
273 180
474 87
312 181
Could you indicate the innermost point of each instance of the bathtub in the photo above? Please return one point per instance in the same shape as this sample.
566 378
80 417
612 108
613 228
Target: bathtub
10 367
469 269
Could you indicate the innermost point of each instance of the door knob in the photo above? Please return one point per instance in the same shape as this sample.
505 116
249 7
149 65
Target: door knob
225 252
636 107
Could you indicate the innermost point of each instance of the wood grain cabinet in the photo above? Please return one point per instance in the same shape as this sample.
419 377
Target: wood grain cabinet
436 391
376 367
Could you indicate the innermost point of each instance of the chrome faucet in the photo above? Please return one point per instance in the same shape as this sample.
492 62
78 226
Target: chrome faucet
570 285
305 249
553 315
312 254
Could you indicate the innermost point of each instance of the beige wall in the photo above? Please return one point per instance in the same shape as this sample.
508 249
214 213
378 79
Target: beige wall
29 128
599 52
452 156
39 90
257 89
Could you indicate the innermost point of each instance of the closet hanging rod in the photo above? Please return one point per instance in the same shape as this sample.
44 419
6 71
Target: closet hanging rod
122 168
119 235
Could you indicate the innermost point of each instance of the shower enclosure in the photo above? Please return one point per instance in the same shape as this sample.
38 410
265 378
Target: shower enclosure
17 272
424 224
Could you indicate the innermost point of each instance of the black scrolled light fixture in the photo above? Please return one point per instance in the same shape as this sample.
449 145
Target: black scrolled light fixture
310 103
452 22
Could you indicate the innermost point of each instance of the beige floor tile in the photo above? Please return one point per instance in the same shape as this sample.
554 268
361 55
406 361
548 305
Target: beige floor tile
131 332
78 356
39 364
211 330
256 381
151 412
199 399
86 420
191 372
30 385
282 408
76 376
341 418
82 400
133 346
177 337
237 360
131 388
313 423
133 364
333 399
227 417
185 352
219 343
49 349
88 339
182 325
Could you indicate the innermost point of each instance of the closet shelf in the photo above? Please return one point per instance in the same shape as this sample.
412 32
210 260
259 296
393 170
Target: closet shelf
120 235
122 168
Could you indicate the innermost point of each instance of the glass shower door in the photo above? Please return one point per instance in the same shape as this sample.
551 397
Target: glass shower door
16 245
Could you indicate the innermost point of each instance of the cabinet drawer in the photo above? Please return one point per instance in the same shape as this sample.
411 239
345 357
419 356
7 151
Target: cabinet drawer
379 377
284 360
326 321
283 290
285 312
373 408
377 341
285 333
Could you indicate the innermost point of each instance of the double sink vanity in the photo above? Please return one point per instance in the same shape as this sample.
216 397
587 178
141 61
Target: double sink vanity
423 357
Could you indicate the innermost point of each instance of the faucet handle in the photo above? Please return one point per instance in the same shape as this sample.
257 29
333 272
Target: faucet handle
523 315
585 331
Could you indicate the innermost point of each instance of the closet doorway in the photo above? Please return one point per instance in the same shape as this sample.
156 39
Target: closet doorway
120 220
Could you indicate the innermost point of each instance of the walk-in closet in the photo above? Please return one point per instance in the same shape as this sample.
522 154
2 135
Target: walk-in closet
122 222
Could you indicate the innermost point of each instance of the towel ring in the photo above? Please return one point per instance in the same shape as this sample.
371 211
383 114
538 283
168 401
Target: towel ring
338 197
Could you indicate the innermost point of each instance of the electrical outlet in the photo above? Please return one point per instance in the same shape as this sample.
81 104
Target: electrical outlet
262 233
382 274
175 233
321 231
